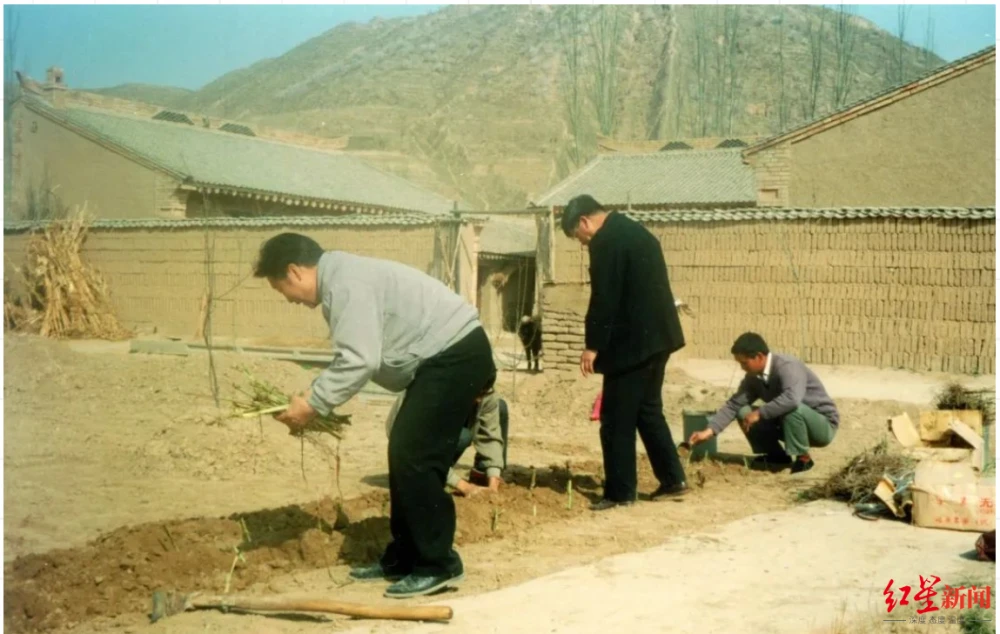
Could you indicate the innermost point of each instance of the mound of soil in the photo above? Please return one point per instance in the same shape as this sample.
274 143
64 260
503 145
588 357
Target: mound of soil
117 573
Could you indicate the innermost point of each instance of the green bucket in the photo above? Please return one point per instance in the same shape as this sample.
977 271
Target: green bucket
698 421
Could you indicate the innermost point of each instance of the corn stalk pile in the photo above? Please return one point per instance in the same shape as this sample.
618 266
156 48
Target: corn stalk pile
68 298
261 398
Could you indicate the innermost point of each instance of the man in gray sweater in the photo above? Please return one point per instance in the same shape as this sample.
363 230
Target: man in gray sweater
403 330
797 410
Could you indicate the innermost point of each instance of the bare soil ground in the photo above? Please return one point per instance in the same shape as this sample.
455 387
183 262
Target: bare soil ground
121 476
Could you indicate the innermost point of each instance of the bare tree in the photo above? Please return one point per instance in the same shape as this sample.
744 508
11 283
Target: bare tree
730 33
845 36
898 66
784 103
702 50
661 95
815 35
12 90
928 53
679 102
41 199
568 23
718 27
605 40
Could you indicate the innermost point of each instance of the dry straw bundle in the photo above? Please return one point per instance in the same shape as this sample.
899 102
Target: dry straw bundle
859 478
68 298
955 396
17 315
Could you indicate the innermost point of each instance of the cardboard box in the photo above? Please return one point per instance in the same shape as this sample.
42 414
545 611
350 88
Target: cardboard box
951 495
958 443
935 425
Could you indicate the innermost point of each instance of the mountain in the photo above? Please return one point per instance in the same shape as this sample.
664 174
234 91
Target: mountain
478 102
166 96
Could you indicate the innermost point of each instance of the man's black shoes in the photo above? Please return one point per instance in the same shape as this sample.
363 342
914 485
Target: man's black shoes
415 585
664 492
801 466
376 572
776 460
605 504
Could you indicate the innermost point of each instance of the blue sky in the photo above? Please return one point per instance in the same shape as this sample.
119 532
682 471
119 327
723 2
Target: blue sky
189 46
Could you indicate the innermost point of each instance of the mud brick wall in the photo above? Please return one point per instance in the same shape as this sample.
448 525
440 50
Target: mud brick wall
158 276
772 172
915 293
563 309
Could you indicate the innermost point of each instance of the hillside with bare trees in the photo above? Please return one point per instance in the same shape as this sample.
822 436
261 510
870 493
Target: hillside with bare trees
493 104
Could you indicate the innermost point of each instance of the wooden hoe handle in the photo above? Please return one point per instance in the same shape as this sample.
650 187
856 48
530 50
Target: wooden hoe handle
281 604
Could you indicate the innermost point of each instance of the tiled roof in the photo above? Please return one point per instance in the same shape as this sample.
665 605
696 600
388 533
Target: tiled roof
787 213
511 238
211 158
390 220
503 237
868 103
662 178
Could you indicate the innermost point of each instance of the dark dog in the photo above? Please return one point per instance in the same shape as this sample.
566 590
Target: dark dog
530 334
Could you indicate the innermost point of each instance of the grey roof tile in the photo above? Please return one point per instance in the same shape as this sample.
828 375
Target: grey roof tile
224 159
805 213
504 237
665 178
354 220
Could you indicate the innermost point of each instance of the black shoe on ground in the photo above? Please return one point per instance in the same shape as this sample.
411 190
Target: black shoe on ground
415 585
802 465
664 491
606 504
776 460
375 572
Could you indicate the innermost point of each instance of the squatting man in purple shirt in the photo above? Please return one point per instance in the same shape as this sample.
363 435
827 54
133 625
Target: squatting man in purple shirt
797 411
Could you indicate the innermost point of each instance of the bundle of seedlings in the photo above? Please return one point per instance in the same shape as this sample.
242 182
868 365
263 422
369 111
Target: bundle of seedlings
856 481
70 296
955 396
263 398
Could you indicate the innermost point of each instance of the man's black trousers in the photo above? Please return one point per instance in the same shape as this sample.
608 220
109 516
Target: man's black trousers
421 449
632 401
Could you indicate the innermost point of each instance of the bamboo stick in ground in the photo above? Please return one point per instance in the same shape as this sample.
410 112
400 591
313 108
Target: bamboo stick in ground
202 317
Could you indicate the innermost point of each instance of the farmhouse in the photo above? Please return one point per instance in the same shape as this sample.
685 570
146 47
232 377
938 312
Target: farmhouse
929 142
506 272
158 163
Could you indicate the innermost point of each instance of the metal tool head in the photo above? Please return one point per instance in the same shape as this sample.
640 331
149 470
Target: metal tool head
168 604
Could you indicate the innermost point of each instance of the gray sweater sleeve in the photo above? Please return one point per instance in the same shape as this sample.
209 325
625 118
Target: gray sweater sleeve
793 390
356 330
489 437
743 397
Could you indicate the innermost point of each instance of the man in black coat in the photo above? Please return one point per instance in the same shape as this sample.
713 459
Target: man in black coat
632 328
